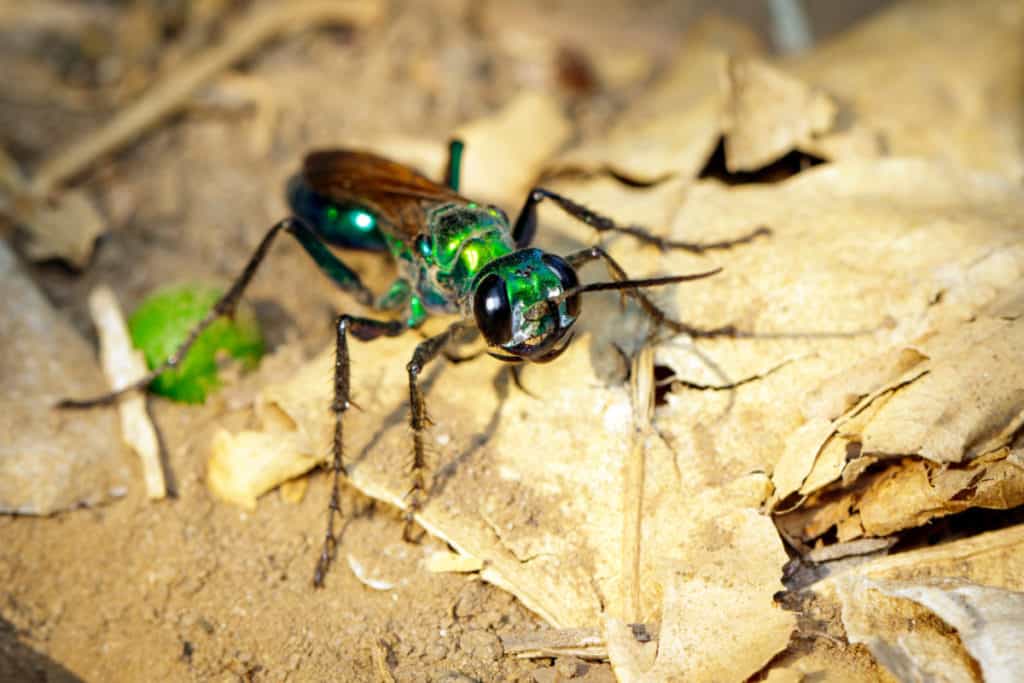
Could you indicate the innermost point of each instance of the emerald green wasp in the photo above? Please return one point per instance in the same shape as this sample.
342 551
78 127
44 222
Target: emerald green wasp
453 256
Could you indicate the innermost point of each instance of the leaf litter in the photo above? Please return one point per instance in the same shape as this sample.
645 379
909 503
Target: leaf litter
883 314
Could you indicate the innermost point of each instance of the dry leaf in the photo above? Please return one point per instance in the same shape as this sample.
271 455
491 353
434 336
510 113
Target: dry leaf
868 265
935 78
522 481
674 128
942 611
986 619
770 113
505 152
847 99
440 562
246 465
709 600
901 637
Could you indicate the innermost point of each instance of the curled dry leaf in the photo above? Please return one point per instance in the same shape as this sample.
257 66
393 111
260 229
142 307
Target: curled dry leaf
947 611
864 258
65 228
770 113
246 465
505 152
956 409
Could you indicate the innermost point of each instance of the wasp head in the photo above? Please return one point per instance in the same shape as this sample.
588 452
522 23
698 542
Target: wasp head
519 307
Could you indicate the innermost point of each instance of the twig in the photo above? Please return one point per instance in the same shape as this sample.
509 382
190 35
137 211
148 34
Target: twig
123 365
633 483
174 91
380 661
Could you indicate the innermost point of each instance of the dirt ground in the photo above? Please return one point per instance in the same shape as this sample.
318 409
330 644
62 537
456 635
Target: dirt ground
191 588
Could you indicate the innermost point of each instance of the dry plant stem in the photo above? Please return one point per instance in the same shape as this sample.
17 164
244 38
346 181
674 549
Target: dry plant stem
123 365
633 484
174 91
380 662
579 642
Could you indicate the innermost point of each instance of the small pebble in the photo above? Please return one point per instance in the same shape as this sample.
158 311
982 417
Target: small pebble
570 667
456 677
435 652
481 645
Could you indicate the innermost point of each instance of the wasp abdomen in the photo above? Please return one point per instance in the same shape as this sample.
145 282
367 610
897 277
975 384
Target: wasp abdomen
341 224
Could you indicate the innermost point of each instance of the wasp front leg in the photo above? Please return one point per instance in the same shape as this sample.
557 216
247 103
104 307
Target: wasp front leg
526 225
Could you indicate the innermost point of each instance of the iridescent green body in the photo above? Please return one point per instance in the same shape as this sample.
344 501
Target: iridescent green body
458 243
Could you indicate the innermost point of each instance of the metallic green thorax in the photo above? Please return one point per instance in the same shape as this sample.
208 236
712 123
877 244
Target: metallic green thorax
443 262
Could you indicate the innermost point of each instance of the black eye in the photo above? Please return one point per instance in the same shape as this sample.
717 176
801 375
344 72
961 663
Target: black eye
492 310
567 276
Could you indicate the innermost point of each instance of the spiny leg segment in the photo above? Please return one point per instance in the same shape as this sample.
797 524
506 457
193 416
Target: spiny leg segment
425 352
365 329
526 225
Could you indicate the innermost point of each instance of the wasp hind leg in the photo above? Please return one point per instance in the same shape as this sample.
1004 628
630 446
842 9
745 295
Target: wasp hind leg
341 274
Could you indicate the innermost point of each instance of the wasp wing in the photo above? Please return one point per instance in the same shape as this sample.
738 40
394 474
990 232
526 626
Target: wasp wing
396 193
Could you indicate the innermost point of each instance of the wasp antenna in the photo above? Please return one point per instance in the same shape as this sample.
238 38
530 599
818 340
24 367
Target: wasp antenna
633 284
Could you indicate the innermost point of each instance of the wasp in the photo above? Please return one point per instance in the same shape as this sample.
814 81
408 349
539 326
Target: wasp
453 256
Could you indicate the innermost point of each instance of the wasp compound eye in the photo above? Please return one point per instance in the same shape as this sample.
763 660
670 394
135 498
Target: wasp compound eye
492 310
568 279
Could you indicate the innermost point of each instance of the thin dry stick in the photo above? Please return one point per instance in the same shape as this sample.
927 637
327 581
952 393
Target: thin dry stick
380 662
174 91
633 483
123 365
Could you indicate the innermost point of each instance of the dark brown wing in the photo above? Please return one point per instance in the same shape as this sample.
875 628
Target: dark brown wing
394 191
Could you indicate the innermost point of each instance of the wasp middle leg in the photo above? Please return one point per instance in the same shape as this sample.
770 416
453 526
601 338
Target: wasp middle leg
425 352
364 329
